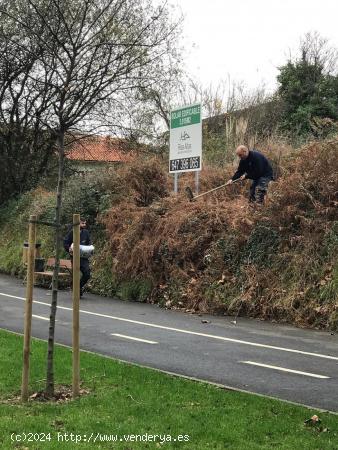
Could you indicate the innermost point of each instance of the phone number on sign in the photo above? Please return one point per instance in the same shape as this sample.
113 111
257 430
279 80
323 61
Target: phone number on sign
185 164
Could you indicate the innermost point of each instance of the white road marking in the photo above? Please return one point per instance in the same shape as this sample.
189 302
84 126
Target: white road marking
179 330
133 338
284 369
40 317
11 296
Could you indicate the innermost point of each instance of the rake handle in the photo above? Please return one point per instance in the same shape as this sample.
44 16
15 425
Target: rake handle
216 188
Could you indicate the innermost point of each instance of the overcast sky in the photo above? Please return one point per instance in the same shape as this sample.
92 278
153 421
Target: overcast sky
249 39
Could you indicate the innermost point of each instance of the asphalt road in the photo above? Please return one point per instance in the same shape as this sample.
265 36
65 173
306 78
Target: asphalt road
275 360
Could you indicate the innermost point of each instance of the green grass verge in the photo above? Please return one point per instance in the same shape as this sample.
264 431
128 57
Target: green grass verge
129 400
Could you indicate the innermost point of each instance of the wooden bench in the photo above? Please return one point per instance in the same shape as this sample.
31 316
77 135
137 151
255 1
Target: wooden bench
65 270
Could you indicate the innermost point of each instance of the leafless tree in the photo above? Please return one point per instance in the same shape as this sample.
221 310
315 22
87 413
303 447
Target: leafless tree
22 137
92 53
316 50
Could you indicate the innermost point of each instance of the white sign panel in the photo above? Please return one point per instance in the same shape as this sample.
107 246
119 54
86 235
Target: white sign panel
185 139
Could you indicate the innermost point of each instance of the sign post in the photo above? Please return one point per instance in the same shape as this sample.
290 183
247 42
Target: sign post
185 140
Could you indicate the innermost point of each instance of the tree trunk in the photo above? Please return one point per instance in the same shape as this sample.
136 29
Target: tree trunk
55 279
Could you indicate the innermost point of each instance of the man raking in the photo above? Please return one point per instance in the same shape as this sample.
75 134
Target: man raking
256 167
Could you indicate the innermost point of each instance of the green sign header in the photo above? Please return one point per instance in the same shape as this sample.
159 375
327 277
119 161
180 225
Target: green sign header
185 116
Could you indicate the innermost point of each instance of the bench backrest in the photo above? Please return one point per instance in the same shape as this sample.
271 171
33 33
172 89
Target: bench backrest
64 263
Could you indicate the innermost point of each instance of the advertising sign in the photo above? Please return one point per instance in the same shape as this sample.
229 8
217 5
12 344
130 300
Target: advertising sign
185 139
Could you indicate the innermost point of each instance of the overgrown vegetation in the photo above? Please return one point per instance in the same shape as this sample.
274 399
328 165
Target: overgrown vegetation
219 255
215 254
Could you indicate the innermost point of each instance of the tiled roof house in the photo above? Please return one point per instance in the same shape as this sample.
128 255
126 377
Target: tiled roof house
99 150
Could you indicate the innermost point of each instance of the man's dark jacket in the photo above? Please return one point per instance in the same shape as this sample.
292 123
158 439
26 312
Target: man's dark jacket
84 239
256 165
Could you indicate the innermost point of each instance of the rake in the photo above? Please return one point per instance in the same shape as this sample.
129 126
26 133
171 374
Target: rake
191 196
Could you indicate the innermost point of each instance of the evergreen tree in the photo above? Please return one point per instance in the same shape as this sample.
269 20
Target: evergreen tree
309 86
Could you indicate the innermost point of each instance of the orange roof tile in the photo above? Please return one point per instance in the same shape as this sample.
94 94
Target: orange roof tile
100 148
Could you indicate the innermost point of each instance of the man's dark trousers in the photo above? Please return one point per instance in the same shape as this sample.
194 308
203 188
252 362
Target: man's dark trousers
258 189
85 270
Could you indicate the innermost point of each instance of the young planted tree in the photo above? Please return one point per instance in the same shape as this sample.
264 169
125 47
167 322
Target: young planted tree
93 53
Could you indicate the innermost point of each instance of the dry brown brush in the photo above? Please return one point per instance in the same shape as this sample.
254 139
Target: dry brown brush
219 255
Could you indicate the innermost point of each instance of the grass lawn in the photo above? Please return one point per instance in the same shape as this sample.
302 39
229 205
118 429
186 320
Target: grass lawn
128 400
